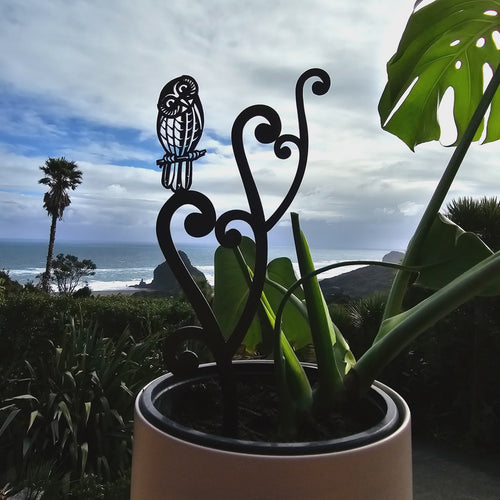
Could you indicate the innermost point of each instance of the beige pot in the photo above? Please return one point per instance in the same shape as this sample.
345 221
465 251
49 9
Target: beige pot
172 468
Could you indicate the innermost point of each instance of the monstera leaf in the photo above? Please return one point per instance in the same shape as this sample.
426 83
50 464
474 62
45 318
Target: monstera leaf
445 44
447 252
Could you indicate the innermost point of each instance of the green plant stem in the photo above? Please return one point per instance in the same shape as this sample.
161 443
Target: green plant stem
329 267
330 374
400 284
288 293
292 383
418 319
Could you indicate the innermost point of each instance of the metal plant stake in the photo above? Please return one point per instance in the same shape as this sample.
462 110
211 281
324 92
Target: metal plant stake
179 128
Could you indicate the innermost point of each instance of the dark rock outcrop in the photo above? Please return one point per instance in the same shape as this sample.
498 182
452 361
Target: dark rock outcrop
361 282
164 280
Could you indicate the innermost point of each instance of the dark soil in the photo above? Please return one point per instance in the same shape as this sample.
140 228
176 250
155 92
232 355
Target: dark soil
199 406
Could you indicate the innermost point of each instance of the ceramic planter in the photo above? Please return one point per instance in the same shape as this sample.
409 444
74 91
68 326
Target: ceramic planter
173 462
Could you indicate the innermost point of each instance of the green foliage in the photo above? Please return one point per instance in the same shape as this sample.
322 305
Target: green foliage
231 291
445 44
66 382
232 281
29 320
60 175
434 32
93 486
448 251
365 316
141 314
459 270
480 216
8 286
68 270
294 321
448 376
298 317
234 271
333 356
73 405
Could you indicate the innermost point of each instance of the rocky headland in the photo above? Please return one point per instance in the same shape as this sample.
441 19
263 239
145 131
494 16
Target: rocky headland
165 282
361 282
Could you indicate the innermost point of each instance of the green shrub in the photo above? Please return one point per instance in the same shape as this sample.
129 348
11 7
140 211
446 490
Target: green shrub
8 285
28 320
359 320
449 375
73 409
140 314
93 486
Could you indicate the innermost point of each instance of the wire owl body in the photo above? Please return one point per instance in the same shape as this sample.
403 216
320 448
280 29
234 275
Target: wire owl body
179 127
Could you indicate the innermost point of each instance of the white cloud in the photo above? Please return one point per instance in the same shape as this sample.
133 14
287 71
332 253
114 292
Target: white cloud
81 79
410 208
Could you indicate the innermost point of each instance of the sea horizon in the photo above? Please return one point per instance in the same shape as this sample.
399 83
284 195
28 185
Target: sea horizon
121 265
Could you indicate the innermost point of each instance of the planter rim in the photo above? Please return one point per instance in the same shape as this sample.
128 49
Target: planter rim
388 402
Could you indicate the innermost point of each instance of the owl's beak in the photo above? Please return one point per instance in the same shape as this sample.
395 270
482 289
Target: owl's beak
184 103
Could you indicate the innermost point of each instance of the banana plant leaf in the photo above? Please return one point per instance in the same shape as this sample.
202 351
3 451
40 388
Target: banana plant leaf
295 323
445 44
231 294
233 271
231 291
447 252
333 356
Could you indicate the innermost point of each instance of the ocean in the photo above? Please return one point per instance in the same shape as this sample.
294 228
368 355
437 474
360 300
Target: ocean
120 265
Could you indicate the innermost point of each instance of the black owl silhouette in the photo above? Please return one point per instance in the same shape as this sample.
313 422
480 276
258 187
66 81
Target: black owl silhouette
179 127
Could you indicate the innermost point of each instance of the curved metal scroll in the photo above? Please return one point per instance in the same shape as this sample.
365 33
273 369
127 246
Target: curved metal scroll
203 221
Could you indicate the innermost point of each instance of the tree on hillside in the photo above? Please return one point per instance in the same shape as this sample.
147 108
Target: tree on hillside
60 176
480 216
68 271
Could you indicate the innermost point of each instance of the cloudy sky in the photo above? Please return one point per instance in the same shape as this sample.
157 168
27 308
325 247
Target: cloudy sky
81 79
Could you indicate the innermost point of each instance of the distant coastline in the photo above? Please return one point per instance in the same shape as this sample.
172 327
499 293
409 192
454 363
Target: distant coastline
120 266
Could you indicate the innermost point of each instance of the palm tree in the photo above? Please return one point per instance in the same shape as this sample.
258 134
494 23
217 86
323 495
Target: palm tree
60 176
480 216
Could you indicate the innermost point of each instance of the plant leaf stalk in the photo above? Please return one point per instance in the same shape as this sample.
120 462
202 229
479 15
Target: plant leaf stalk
330 372
400 284
292 382
289 291
400 330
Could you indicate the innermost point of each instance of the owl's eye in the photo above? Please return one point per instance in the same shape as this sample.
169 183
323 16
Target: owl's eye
169 103
185 87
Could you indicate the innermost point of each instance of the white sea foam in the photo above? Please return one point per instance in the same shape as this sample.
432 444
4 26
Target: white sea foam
119 266
103 286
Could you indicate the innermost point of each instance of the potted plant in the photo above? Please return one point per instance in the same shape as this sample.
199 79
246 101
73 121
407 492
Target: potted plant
178 456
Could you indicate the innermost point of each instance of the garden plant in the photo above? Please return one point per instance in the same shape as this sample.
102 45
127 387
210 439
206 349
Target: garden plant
70 370
264 307
445 44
